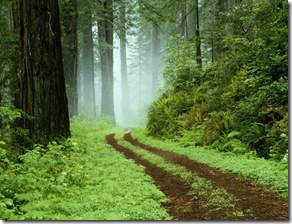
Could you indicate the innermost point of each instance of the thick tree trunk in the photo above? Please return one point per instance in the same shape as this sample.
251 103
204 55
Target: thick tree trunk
155 58
105 33
43 94
69 12
124 71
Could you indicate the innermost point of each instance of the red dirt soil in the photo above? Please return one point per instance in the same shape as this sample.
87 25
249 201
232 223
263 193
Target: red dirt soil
263 204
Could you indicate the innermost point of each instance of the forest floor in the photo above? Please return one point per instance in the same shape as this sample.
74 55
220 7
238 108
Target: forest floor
208 193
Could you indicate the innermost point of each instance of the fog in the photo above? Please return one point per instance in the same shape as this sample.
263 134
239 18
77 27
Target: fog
139 85
139 82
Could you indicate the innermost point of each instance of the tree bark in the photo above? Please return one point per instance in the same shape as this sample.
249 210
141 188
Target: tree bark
14 16
198 36
124 71
191 21
232 4
184 21
193 29
70 50
89 108
14 82
43 94
105 33
155 58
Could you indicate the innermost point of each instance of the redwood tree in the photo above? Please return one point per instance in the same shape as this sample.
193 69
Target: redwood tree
87 59
124 70
193 29
69 18
43 95
155 57
105 34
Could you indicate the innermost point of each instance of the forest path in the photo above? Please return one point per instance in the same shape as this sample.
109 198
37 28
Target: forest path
186 203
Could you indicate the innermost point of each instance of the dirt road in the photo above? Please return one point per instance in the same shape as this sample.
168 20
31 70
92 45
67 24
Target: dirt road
260 202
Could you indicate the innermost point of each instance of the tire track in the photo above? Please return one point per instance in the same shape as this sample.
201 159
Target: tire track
265 205
182 204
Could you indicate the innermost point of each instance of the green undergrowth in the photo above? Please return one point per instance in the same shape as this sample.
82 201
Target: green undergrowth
269 173
215 198
81 178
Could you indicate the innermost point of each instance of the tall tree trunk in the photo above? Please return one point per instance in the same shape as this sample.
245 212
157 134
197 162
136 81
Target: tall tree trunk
88 67
43 94
14 16
193 29
191 22
198 36
155 58
221 7
105 33
69 12
140 73
14 28
123 55
184 21
231 4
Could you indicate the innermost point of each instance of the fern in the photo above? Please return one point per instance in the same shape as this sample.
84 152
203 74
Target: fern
236 146
234 134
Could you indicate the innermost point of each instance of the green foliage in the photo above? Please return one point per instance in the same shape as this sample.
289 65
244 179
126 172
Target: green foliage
181 71
8 131
7 116
80 178
244 88
166 114
236 146
267 172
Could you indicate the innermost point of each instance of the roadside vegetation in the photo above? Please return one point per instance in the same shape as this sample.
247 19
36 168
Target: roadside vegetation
83 178
80 178
237 103
267 172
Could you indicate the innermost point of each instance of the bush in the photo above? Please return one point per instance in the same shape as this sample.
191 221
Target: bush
166 115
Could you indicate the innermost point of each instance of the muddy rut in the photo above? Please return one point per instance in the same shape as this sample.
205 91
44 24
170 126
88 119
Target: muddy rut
263 204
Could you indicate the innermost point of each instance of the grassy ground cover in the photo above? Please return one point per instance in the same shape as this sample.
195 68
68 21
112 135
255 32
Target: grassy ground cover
81 178
269 173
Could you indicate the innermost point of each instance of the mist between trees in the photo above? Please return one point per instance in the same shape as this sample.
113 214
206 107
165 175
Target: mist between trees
120 60
77 58
133 92
66 58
